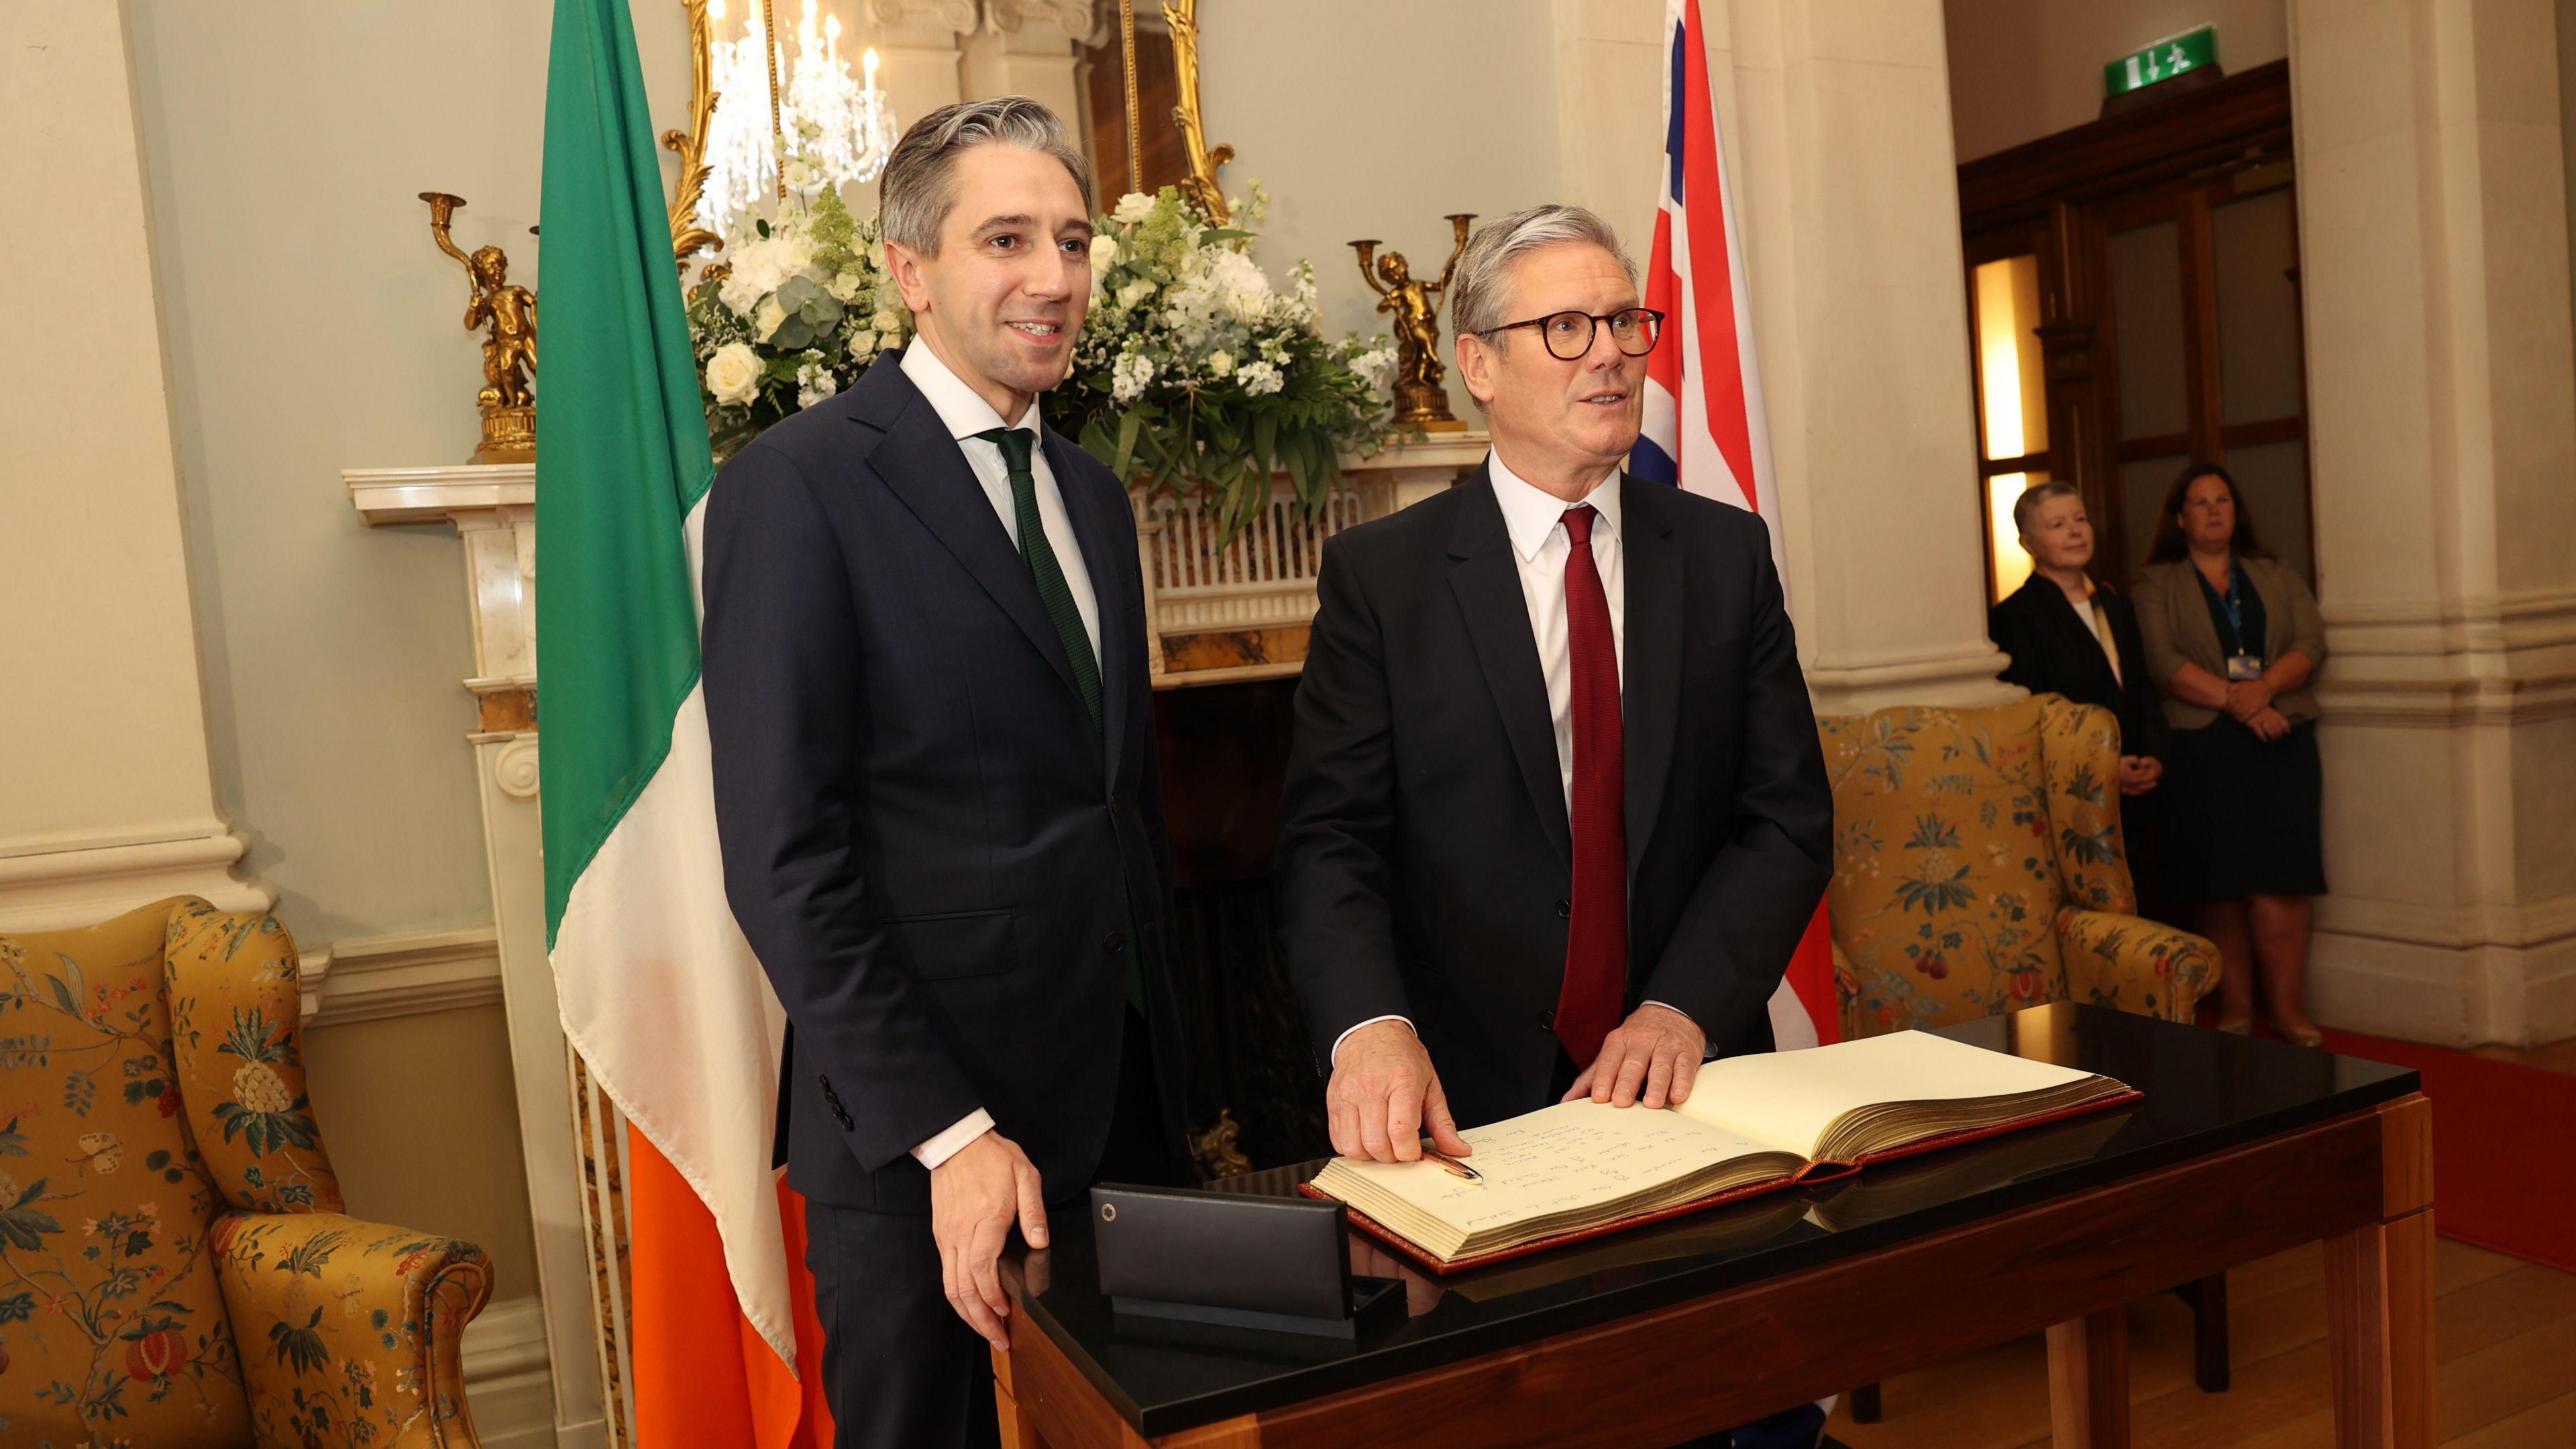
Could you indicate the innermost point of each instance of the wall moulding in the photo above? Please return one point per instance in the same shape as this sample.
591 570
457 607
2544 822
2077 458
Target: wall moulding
2537 622
2451 928
1956 679
2443 703
507 1375
371 978
60 889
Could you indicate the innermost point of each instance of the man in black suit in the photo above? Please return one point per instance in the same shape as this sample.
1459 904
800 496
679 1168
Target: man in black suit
1555 815
936 786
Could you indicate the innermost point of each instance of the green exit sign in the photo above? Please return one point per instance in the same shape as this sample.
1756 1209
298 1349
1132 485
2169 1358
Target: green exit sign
2162 61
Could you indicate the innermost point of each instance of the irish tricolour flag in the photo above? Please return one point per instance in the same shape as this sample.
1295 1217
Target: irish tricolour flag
1704 428
660 993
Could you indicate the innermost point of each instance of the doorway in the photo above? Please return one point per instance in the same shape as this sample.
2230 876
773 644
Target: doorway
2133 295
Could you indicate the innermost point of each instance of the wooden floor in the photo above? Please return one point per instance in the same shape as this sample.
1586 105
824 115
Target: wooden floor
2505 1330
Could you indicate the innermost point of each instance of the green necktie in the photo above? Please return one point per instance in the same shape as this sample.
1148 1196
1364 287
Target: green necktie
1057 596
1053 591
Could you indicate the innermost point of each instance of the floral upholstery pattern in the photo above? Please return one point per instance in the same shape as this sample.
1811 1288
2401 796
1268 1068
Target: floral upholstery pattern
173 1269
1978 868
234 1007
349 1329
2136 965
112 1326
2080 753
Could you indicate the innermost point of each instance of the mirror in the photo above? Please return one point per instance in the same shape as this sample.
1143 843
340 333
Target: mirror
1123 74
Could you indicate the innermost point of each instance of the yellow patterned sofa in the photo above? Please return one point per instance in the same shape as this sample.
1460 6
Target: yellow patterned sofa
175 1270
1978 867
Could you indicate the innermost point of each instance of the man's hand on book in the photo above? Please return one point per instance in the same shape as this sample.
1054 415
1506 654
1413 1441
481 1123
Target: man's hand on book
1656 1052
1384 1096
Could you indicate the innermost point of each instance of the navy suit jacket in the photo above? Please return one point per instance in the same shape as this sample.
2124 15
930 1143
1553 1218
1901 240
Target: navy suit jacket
1425 858
936 856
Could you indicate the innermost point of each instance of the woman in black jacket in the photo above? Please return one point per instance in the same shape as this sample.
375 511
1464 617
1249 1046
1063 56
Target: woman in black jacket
2069 635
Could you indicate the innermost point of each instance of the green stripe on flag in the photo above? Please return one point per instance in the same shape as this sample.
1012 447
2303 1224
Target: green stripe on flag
622 453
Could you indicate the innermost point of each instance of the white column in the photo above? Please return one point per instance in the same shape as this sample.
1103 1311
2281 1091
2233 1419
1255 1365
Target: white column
106 794
2442 408
1837 121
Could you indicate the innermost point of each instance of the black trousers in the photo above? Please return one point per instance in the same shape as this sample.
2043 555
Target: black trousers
900 1368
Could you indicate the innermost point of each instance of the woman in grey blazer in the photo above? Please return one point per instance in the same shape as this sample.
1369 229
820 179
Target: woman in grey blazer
2232 636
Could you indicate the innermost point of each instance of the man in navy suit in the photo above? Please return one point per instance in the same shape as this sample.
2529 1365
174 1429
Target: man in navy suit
936 785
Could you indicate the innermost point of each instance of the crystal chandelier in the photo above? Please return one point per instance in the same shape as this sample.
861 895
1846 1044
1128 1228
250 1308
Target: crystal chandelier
843 126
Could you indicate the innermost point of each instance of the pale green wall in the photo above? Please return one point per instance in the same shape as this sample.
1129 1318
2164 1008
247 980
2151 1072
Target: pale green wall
312 326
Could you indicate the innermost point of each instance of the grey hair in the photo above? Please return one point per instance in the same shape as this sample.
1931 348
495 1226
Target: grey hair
919 187
1478 293
2026 507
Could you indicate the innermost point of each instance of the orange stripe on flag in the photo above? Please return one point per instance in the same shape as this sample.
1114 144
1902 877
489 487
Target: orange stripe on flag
703 1376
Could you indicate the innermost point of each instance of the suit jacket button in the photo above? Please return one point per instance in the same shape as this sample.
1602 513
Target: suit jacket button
1547 1019
1113 941
1565 910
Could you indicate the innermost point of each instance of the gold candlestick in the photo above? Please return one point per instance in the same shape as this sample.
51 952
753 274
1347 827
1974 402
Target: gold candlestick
1420 400
507 315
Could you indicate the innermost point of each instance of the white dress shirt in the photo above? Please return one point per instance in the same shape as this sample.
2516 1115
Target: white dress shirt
965 413
1535 519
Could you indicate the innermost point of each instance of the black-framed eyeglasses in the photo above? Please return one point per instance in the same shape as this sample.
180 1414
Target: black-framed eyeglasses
1569 334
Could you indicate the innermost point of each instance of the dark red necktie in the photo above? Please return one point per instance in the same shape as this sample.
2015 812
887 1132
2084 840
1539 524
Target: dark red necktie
1596 939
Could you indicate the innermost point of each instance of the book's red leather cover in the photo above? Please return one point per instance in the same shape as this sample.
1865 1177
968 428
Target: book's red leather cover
1813 1172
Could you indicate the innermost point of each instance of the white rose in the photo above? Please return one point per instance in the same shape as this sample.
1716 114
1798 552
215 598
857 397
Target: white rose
1134 293
1220 362
887 320
863 346
1132 208
733 374
764 322
1104 254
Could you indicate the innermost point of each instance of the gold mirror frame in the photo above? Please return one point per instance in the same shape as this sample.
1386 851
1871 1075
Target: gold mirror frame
689 236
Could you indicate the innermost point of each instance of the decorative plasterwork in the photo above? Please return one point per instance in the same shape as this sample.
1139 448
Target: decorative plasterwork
1072 18
957 15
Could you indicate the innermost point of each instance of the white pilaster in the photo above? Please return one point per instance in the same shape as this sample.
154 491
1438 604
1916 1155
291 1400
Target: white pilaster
1837 122
2442 404
106 792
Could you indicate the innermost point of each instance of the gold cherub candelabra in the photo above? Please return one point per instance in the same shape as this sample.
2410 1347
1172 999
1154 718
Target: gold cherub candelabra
1420 400
507 315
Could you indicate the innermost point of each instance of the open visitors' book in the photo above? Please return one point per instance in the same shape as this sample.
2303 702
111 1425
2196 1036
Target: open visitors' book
1752 1124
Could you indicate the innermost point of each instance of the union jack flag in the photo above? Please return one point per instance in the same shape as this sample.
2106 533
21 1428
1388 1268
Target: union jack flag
1704 429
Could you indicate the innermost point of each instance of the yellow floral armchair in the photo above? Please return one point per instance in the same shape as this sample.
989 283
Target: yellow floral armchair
175 1268
1978 867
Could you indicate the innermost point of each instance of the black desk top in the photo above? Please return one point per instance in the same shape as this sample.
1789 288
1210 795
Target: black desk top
2205 1092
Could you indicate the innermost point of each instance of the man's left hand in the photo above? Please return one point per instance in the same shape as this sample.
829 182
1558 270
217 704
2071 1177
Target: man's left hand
1656 1052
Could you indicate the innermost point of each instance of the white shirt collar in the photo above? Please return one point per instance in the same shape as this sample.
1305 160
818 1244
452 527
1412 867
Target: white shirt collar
1530 512
961 407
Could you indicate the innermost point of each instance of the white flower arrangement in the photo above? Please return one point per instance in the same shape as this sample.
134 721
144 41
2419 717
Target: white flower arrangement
796 312
1194 373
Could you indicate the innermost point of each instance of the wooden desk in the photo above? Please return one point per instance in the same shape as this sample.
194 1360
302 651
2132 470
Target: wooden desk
2241 1148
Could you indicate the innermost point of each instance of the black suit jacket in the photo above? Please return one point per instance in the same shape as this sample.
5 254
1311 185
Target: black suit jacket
1424 849
934 853
2054 651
